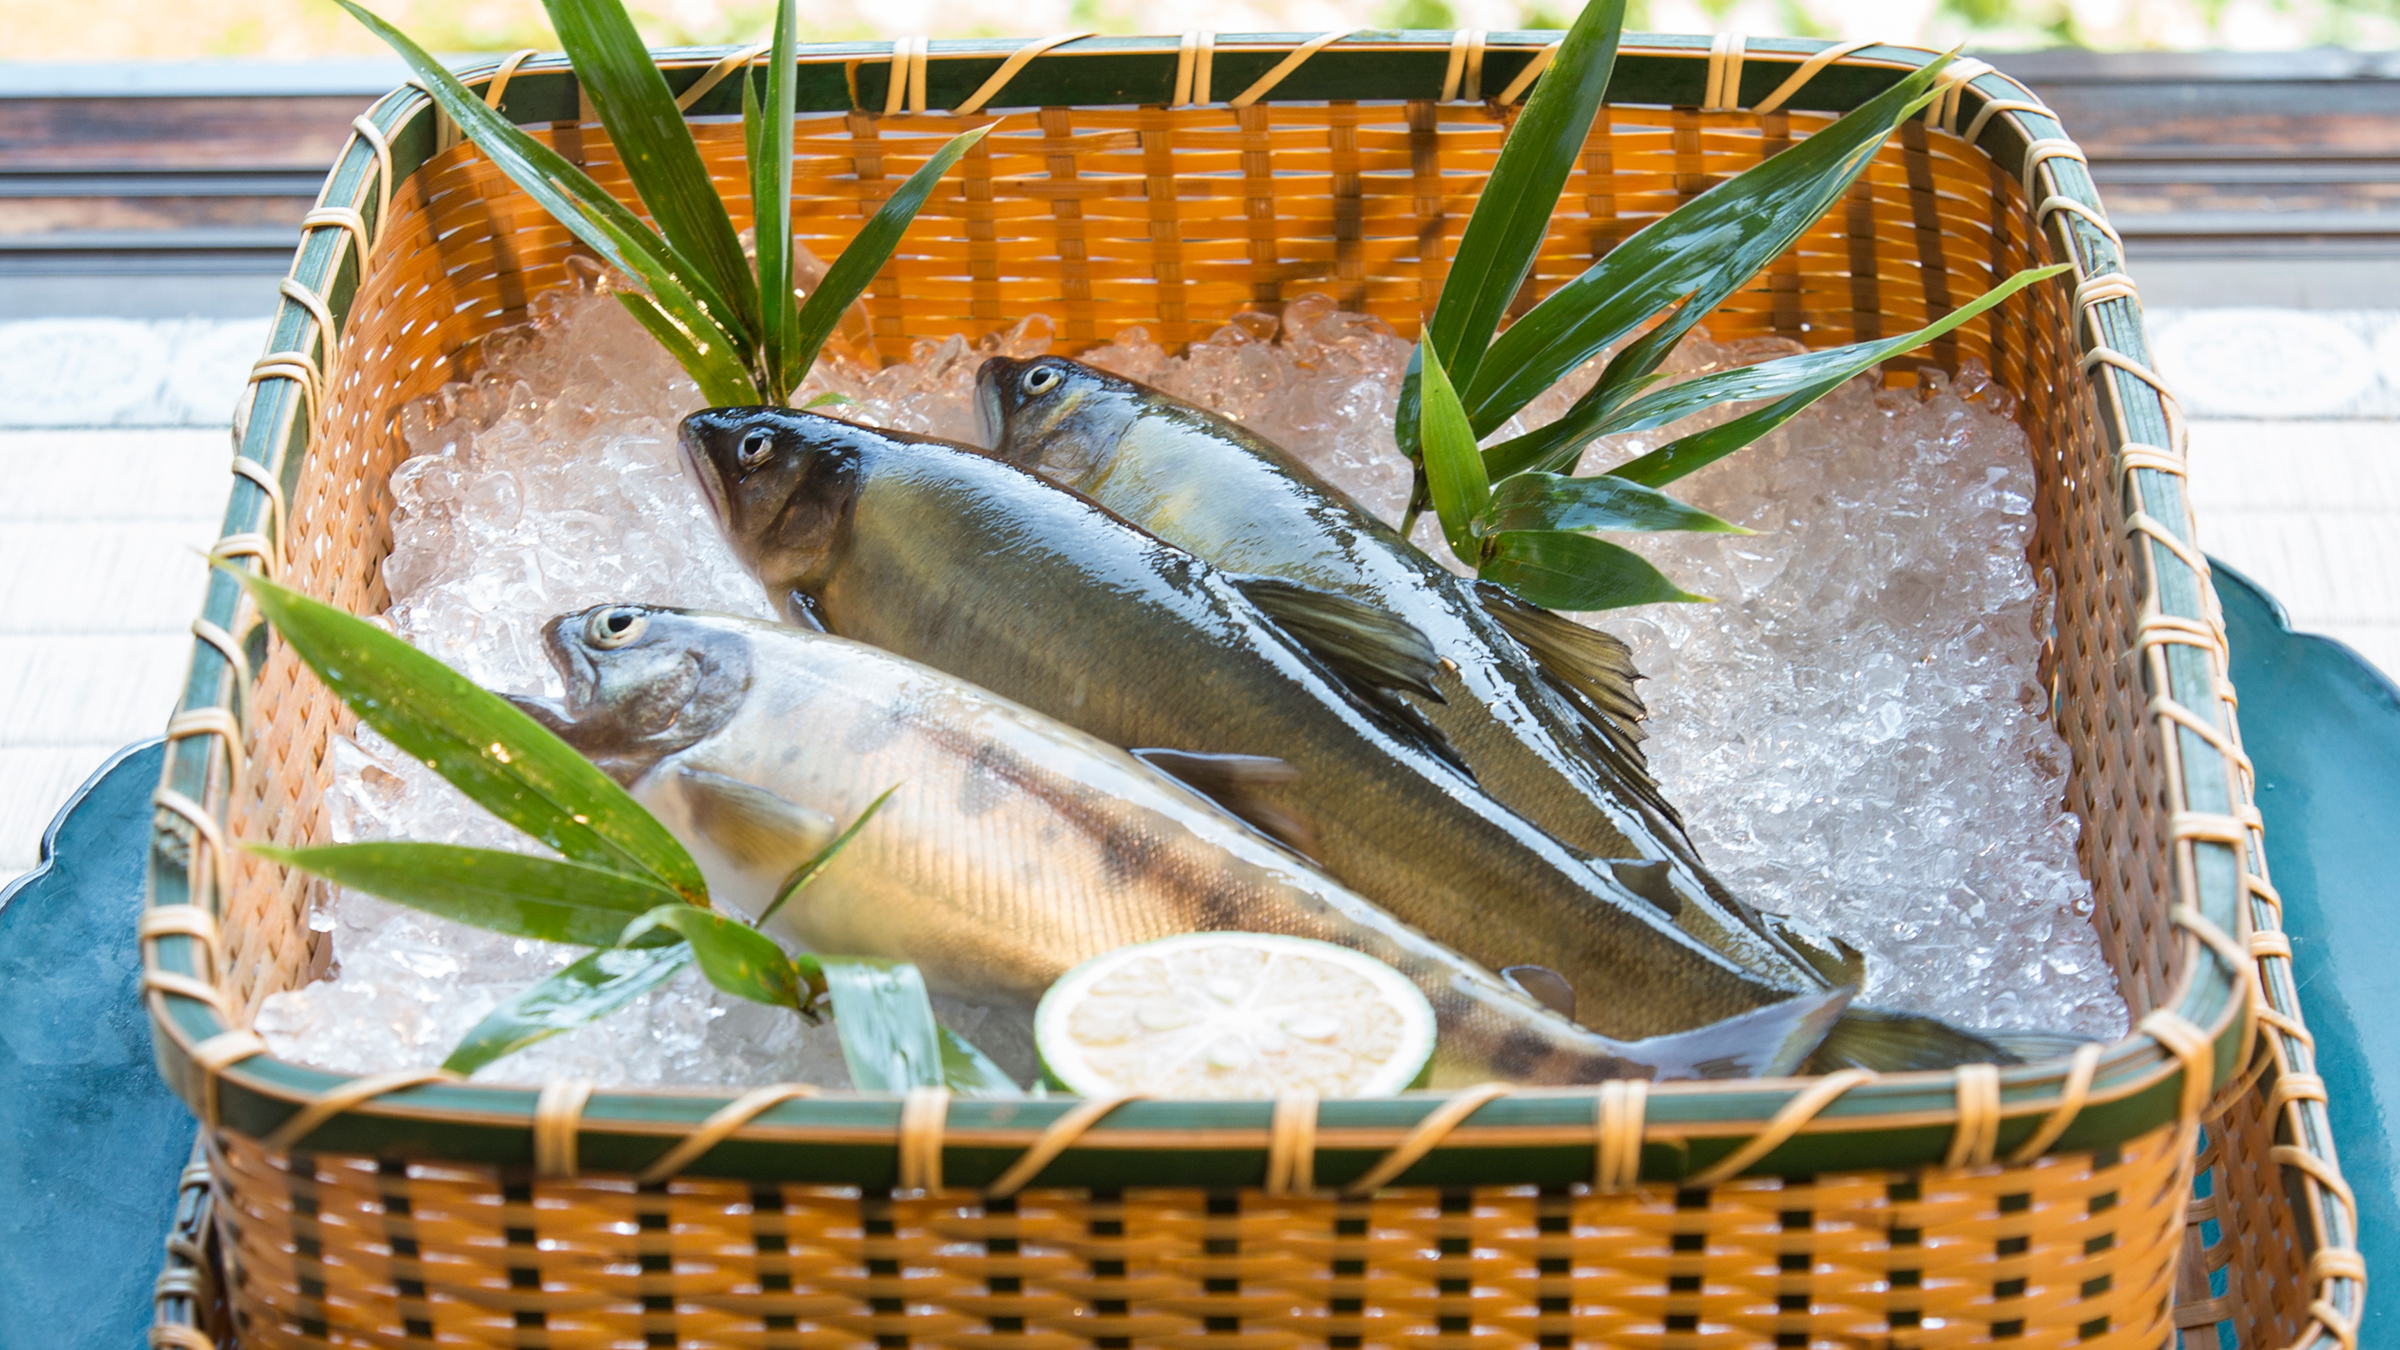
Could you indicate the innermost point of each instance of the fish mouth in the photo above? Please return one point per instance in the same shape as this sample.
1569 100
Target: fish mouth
989 417
703 468
575 667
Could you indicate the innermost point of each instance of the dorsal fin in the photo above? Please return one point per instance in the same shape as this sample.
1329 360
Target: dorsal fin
1372 653
1593 674
1362 644
1595 664
1239 783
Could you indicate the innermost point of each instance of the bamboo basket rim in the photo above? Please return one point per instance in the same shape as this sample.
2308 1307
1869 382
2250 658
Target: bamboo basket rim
2237 986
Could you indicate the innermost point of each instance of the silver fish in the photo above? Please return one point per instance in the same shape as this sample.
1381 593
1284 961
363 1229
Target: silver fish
1013 847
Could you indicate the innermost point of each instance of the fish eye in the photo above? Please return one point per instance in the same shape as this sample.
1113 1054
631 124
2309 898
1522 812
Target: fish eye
613 628
757 444
1040 380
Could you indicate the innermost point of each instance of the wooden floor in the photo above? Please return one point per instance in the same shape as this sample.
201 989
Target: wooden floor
113 449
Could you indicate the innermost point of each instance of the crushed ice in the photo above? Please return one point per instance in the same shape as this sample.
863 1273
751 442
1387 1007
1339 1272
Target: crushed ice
1853 733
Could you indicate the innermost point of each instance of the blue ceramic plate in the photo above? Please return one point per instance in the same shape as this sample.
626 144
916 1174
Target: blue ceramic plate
2323 728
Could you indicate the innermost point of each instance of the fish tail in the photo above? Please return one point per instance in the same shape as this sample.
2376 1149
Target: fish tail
1517 1039
1898 1042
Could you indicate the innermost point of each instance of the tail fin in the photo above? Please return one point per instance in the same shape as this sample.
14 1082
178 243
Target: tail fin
1897 1042
1767 1042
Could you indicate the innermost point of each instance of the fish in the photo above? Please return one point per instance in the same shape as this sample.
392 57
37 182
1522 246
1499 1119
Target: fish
942 554
1011 847
1542 710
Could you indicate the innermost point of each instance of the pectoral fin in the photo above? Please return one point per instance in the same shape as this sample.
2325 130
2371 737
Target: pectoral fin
1242 784
758 829
1363 644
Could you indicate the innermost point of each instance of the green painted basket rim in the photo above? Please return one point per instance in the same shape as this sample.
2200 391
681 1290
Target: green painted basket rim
1545 1137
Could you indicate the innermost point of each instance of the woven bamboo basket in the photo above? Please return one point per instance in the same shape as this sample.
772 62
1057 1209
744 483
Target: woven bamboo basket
1171 185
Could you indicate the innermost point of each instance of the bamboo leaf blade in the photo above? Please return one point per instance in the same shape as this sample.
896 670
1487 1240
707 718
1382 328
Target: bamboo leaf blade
734 956
1800 379
768 131
969 1072
506 762
519 894
807 871
1512 213
1453 462
1559 570
584 992
889 1037
723 383
1707 248
854 270
655 145
1548 501
599 220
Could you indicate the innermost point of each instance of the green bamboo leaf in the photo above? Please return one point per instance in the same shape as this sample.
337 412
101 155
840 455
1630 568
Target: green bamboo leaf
722 384
890 1039
807 871
1700 253
1794 382
519 894
584 992
1548 501
1453 464
655 144
768 136
509 764
1512 214
734 956
868 251
886 1023
676 283
969 1072
1559 570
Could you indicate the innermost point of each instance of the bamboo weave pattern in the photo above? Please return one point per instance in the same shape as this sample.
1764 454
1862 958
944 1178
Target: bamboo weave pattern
1175 219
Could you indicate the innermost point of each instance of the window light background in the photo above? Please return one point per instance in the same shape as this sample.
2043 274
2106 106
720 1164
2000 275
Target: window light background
38 30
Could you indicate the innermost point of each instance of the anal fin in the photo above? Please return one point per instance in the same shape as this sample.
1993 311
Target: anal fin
1239 783
1768 1042
1544 986
1895 1042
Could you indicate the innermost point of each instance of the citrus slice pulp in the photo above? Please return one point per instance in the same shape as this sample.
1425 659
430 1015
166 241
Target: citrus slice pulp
1234 1016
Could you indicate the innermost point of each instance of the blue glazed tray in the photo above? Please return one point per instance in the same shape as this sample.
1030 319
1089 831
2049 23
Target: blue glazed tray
2323 729
87 1187
94 1142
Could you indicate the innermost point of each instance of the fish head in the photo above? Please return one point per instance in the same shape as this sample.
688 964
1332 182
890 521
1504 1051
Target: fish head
1060 418
643 681
780 483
